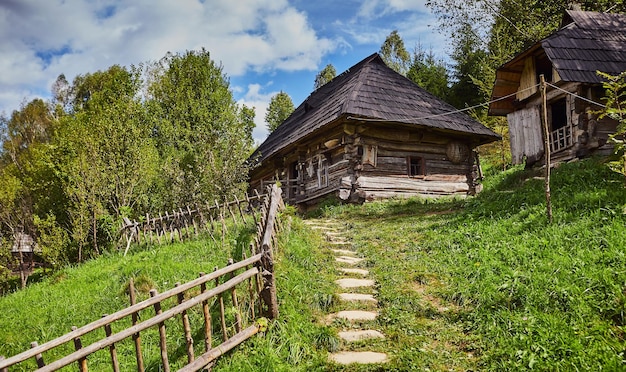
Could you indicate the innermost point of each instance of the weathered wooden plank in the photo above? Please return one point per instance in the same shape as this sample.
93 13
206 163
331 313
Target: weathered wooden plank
409 184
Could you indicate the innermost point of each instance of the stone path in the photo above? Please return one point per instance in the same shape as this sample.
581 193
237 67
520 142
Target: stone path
355 292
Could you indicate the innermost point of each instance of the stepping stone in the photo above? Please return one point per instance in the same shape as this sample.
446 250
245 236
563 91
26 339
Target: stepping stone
357 315
361 272
361 357
348 260
357 297
343 251
354 283
360 335
340 243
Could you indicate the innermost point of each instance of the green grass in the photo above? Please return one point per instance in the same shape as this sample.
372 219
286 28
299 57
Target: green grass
482 283
487 284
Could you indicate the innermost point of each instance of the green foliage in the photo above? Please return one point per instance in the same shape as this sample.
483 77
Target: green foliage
327 74
53 241
395 54
429 72
279 109
120 143
616 109
202 136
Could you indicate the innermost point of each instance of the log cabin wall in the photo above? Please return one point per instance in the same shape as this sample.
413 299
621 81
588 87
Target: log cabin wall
373 162
417 165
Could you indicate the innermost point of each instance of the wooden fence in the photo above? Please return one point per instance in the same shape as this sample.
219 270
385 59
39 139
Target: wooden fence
251 305
188 222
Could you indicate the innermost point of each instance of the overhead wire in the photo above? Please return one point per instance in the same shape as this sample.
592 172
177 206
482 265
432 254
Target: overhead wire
483 104
576 95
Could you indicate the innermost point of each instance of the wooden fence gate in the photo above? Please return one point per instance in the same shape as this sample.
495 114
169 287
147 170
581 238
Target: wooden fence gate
253 305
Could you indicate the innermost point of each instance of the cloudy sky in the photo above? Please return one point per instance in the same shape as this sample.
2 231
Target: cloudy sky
265 46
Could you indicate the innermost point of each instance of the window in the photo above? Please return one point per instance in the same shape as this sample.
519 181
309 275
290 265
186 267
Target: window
558 114
322 172
416 166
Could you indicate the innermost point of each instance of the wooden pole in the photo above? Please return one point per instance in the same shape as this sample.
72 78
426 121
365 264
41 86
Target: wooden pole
162 334
38 357
233 296
78 344
207 318
136 336
112 350
243 218
546 137
186 327
222 311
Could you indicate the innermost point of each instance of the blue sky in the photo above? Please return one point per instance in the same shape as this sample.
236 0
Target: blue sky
265 46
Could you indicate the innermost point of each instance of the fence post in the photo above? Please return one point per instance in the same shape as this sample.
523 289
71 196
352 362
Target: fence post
135 318
38 357
162 334
186 327
78 344
268 293
112 351
208 337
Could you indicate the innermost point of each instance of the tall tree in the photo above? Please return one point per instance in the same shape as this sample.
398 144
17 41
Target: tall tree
429 72
394 53
202 135
109 156
279 109
327 74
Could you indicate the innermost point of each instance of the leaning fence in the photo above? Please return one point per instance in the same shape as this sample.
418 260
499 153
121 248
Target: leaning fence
190 221
252 304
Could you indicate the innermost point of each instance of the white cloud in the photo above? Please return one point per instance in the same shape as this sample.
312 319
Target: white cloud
376 19
381 8
80 36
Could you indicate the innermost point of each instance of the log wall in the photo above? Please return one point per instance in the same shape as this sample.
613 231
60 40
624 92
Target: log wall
357 162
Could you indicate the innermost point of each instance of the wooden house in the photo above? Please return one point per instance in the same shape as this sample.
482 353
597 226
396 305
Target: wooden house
568 59
371 133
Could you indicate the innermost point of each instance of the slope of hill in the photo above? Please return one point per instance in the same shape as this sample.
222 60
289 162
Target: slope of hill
482 283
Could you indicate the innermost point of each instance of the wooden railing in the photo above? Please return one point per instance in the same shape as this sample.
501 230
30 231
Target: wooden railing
257 271
561 138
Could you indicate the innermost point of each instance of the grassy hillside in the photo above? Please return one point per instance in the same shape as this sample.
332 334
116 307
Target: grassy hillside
486 283
478 284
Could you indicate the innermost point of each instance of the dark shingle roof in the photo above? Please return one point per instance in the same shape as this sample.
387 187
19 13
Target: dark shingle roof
370 90
588 42
592 41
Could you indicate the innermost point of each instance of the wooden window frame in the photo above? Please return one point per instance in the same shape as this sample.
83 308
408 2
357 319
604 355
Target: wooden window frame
322 172
410 160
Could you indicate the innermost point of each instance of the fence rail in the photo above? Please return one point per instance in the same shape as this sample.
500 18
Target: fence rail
258 273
